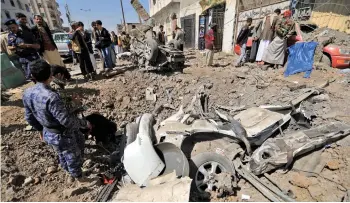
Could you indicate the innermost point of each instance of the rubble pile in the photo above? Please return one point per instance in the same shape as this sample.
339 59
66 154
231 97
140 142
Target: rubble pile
29 170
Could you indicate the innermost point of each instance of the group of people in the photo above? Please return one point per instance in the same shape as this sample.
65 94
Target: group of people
31 44
269 39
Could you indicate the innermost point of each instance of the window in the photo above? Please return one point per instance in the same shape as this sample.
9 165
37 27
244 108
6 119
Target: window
12 3
2 1
27 8
42 15
61 38
7 14
19 5
31 20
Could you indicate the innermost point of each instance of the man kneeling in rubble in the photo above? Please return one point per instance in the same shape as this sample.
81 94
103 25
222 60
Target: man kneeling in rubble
46 112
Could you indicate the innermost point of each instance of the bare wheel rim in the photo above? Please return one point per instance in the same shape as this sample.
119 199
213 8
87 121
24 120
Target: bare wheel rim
206 175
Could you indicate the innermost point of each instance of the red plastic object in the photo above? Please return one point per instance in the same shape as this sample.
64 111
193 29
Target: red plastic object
237 49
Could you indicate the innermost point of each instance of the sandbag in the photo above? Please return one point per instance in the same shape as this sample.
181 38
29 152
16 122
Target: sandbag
301 58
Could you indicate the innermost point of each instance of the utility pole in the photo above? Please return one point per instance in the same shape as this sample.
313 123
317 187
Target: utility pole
121 5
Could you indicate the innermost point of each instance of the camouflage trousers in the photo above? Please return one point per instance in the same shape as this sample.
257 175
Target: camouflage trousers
70 149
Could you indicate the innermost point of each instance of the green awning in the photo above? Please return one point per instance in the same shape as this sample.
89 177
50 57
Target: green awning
207 4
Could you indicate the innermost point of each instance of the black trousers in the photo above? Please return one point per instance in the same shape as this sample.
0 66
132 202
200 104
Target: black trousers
85 63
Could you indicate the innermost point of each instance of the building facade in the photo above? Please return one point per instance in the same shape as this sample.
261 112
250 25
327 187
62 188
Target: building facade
9 8
48 9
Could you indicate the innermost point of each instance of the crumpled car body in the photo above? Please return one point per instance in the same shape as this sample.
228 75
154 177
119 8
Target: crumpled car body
144 161
276 152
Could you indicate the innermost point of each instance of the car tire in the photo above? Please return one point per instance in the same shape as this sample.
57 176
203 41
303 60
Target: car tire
131 132
326 60
204 160
151 50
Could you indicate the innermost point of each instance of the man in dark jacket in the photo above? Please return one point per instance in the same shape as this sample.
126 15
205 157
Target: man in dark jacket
48 48
82 50
103 41
242 41
22 22
24 45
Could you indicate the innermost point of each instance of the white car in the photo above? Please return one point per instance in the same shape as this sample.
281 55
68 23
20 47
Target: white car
61 40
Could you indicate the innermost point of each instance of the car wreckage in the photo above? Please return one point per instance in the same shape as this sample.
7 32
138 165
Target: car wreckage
145 51
215 149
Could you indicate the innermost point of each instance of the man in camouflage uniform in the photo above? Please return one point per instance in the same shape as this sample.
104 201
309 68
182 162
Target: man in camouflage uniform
46 112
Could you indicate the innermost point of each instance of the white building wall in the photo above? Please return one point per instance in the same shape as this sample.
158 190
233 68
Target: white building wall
44 9
229 24
163 18
20 6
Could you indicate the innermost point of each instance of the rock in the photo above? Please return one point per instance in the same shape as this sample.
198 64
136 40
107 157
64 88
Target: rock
208 85
16 180
88 163
300 181
315 191
244 70
10 194
28 181
241 75
74 191
333 165
320 98
150 96
123 124
51 169
37 180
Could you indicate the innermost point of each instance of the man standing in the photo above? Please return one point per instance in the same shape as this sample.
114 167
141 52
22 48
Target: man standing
209 45
82 50
46 112
180 37
22 22
94 29
242 41
48 48
274 55
24 45
267 33
103 41
160 35
125 42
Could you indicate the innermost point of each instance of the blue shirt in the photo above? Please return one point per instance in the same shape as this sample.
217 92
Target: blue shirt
45 109
26 38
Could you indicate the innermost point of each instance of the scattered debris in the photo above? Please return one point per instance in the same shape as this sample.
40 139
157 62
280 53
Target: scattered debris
16 180
28 181
69 192
51 169
276 152
150 94
245 197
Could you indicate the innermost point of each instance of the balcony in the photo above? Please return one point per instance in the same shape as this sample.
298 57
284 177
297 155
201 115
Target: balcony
158 5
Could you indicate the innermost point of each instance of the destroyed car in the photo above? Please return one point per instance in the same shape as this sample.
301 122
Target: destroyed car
147 54
200 144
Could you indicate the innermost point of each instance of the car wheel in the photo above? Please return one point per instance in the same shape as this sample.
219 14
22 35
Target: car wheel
204 169
326 60
151 50
131 132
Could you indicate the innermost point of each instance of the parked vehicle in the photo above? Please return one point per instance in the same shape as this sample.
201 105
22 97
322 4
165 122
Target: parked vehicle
61 40
333 55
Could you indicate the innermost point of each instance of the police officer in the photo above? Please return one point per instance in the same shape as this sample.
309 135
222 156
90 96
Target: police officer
24 45
46 112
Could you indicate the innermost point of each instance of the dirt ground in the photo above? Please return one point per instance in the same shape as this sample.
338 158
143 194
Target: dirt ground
29 168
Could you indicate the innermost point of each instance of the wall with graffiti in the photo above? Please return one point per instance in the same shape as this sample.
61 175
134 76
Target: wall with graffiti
258 13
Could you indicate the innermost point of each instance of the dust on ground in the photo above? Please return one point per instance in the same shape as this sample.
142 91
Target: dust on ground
29 168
